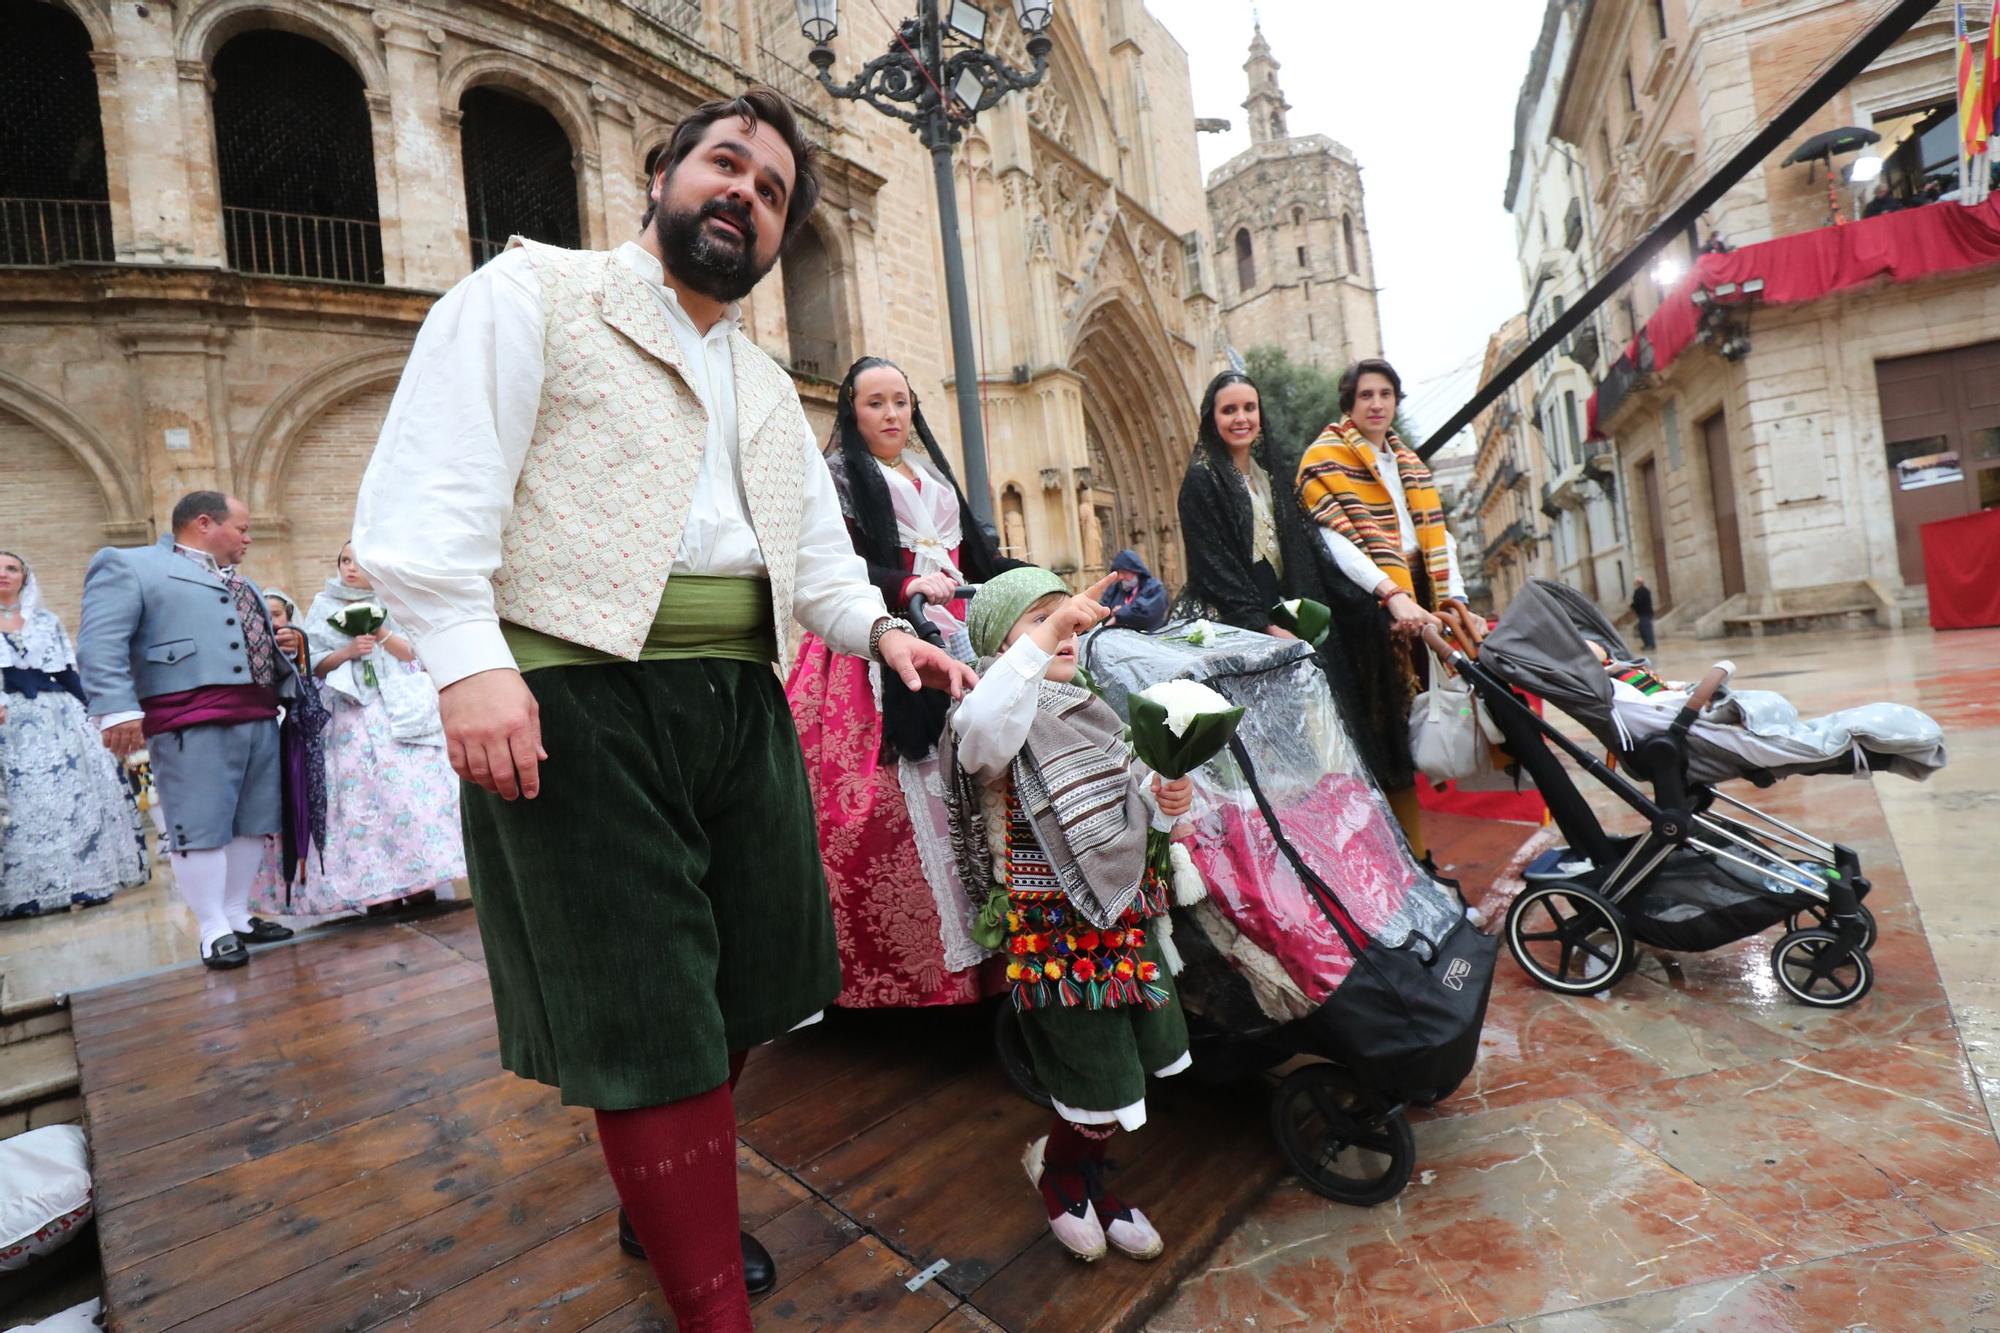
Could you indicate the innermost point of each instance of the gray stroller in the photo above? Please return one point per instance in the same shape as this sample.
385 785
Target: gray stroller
1710 869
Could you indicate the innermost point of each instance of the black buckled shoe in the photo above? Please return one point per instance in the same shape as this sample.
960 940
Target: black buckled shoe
264 932
225 953
760 1274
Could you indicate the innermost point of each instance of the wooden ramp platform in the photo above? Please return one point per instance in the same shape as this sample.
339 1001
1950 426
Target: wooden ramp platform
325 1140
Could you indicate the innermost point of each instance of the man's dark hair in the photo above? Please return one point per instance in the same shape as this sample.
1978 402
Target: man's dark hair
199 504
757 105
1350 383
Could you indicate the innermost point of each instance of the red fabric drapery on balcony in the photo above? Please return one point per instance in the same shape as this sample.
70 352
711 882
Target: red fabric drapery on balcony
1897 247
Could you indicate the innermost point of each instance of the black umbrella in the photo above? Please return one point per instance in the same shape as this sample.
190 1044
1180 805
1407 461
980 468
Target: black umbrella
1822 147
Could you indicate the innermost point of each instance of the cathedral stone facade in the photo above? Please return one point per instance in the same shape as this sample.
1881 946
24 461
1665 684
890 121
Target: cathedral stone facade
230 216
1290 232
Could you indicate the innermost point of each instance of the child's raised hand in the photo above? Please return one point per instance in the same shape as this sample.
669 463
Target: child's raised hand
1074 615
1175 798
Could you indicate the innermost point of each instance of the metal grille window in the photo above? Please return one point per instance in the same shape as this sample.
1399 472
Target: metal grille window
520 174
53 207
296 154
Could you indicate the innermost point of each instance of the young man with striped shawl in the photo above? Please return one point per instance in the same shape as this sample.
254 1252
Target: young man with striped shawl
1383 524
1050 818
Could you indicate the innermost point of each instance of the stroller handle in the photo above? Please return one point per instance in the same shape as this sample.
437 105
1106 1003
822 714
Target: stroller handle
918 604
1447 652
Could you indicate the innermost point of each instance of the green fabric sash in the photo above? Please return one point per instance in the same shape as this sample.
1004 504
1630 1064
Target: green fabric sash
700 615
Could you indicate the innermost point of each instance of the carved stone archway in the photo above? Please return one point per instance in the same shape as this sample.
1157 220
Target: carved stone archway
1139 428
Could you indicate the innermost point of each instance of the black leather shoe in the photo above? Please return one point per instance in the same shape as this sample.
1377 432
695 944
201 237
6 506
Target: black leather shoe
760 1274
264 932
225 953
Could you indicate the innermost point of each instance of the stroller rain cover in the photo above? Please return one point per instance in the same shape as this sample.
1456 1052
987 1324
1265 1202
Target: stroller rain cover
1308 876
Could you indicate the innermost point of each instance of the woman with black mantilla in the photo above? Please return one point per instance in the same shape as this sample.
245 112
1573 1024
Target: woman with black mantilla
898 908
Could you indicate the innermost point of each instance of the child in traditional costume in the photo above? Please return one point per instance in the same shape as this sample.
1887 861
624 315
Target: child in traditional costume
1050 816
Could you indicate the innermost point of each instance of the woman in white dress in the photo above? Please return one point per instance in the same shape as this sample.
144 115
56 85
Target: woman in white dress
69 830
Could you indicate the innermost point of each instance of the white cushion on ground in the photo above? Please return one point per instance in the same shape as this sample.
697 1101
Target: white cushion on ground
44 1192
77 1319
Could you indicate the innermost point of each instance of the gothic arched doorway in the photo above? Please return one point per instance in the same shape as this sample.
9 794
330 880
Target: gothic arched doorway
1139 425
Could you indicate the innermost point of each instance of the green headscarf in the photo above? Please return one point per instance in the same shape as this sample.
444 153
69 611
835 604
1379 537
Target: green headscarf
1002 600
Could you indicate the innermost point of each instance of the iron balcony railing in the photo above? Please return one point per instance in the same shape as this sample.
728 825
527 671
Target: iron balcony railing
484 248
680 16
799 84
298 245
55 231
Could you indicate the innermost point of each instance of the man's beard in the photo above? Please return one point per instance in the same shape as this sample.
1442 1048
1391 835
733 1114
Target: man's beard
718 269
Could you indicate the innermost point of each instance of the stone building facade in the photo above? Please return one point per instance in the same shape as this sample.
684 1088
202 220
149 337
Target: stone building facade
216 280
1290 229
1765 475
1555 237
1509 473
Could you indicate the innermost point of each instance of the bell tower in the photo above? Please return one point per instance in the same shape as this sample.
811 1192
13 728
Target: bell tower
1266 104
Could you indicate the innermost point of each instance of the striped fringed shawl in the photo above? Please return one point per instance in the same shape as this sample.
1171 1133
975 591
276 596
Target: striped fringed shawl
1074 778
1339 488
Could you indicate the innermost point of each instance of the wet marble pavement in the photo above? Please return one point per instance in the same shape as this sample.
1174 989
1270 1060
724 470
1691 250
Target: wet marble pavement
1693 1150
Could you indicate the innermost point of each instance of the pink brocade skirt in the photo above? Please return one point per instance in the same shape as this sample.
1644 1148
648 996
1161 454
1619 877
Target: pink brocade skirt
885 911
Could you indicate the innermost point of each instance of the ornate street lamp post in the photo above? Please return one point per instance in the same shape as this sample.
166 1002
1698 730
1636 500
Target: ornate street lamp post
938 91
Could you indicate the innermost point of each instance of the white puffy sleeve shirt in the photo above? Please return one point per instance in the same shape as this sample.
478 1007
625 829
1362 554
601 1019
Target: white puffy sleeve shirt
440 487
1354 562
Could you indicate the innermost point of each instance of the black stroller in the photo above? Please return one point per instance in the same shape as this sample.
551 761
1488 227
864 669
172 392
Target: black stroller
1314 932
1710 869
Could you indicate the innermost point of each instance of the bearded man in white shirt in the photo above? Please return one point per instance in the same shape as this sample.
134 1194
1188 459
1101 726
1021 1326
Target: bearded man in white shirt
599 507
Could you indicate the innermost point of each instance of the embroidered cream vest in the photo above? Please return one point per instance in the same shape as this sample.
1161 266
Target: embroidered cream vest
610 474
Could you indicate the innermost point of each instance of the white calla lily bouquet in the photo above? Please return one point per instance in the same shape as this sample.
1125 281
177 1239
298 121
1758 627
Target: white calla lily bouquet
356 619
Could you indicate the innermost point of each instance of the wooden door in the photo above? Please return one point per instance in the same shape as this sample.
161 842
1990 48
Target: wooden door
1941 433
1656 530
1722 491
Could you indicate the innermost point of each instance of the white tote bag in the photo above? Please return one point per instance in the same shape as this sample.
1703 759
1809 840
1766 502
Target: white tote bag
1446 739
412 700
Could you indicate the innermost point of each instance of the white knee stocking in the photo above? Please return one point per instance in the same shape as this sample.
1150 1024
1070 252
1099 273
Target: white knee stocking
203 879
246 856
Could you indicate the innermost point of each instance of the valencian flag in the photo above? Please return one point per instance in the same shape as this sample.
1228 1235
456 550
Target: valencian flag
1977 75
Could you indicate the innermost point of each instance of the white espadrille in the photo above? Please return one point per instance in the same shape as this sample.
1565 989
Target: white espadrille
1076 1228
1134 1236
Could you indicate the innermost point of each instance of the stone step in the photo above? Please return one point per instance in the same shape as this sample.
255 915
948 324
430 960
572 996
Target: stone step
38 1083
37 1018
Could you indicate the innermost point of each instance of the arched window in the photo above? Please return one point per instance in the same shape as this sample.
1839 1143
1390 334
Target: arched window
53 196
295 151
1298 216
520 173
1347 234
1246 261
812 308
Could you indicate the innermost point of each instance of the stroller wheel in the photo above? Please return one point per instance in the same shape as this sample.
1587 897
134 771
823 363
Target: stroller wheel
1342 1144
1801 963
1569 938
1012 1048
1818 918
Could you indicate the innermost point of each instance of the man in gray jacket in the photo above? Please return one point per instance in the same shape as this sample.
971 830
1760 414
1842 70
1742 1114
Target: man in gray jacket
177 653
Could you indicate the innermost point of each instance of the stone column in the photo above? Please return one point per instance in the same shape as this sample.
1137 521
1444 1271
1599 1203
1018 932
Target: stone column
396 260
619 189
161 163
179 410
420 181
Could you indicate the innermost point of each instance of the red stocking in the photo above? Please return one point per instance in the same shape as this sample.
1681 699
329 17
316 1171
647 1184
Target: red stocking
1070 1148
675 1170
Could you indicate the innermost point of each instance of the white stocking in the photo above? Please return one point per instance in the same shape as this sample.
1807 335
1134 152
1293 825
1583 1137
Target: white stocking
203 879
246 856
